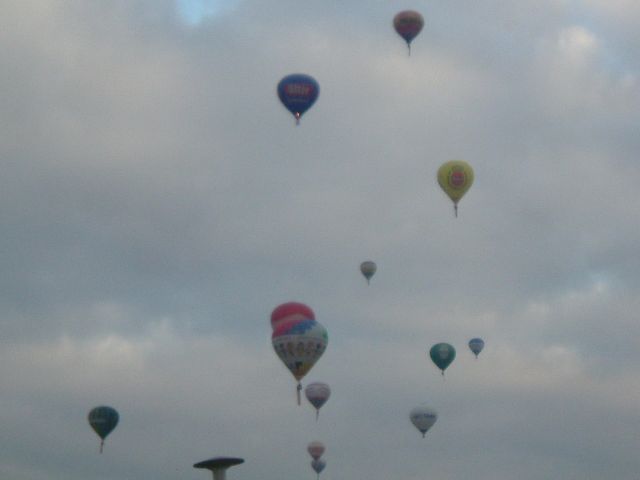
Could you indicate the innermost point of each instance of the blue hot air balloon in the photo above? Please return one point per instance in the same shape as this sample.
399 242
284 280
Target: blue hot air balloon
318 466
298 92
476 345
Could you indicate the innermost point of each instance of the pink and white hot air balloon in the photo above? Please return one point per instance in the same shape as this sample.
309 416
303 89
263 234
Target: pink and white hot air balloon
298 339
315 449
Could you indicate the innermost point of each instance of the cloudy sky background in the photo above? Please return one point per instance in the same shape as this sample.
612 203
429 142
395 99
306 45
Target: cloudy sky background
157 202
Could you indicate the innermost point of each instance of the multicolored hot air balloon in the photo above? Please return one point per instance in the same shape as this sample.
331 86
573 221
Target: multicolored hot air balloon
298 92
298 339
476 345
368 269
103 420
315 449
317 393
442 355
318 466
408 24
455 177
423 418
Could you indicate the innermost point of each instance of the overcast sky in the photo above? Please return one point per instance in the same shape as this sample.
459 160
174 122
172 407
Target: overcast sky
157 202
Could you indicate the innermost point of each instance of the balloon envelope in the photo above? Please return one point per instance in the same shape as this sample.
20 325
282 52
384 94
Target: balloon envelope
455 178
298 92
423 418
368 269
476 345
318 465
317 393
315 449
408 24
442 355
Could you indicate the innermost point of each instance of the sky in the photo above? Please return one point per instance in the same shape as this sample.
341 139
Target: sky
157 202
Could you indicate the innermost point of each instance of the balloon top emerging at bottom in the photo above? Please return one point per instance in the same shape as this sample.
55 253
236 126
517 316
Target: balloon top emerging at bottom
219 462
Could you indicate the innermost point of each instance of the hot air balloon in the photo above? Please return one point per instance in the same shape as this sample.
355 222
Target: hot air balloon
299 342
423 418
408 24
103 420
317 393
318 465
476 345
315 449
455 177
298 92
442 355
368 269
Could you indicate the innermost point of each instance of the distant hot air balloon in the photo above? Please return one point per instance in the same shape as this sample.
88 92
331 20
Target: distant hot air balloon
317 393
298 92
408 24
423 418
368 269
442 355
318 466
455 177
476 345
103 420
298 341
315 449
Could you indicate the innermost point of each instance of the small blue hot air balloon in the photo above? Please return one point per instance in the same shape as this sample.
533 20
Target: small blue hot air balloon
298 92
318 466
476 345
103 420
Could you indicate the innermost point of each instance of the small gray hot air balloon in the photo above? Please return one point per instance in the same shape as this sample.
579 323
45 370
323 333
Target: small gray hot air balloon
368 269
423 418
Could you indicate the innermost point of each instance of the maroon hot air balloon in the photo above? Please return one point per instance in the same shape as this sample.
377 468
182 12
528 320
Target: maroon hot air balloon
408 24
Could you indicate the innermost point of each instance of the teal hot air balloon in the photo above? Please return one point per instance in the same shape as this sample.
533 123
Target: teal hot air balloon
476 345
442 355
103 420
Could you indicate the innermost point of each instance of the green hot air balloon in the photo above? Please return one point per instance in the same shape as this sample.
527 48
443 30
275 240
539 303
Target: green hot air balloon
103 420
442 355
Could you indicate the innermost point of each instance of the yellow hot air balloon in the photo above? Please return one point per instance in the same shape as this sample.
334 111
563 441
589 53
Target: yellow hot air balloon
455 177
